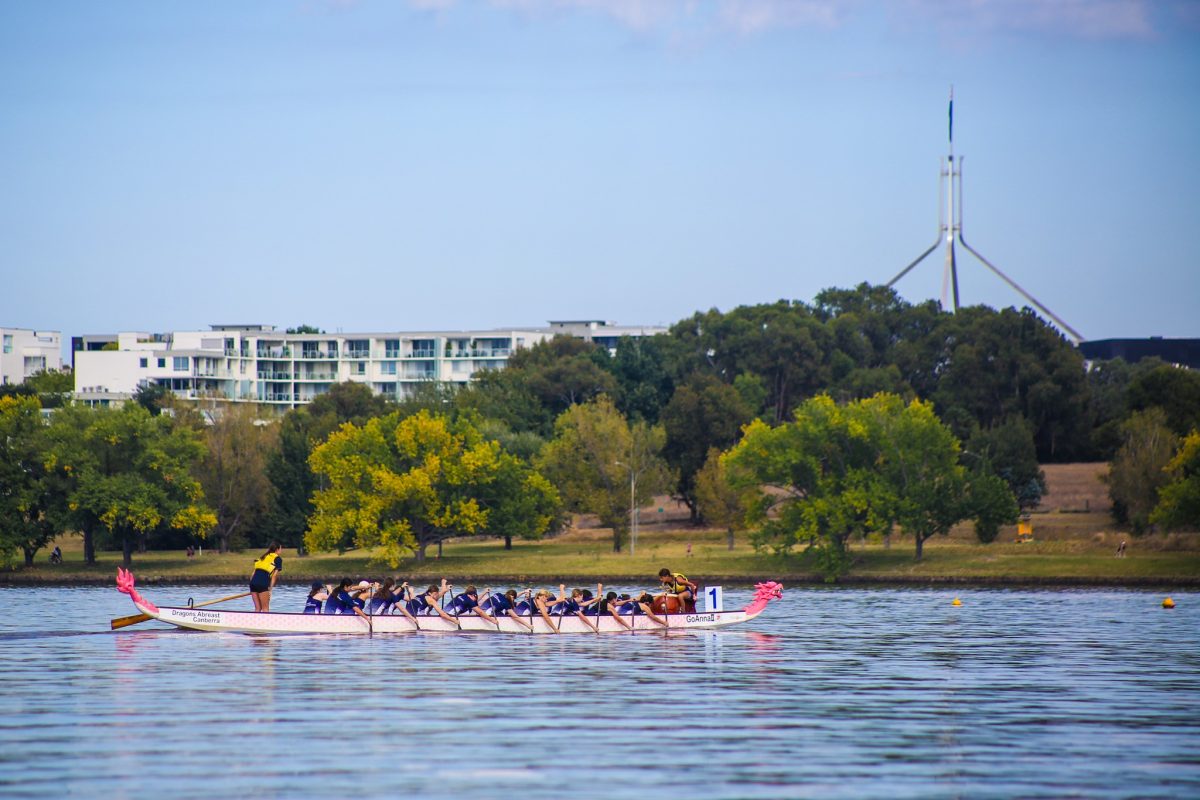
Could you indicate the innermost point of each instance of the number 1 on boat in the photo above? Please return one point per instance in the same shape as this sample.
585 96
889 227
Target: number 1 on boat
714 598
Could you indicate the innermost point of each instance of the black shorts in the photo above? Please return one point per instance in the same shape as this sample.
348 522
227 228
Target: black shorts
261 582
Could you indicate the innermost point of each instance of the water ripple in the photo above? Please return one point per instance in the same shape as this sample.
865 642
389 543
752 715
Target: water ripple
833 693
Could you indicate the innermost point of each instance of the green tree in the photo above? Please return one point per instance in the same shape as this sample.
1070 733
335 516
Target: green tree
433 396
292 479
525 445
812 481
717 497
1138 471
348 402
643 383
1179 501
305 329
52 381
703 413
1176 390
520 502
132 473
753 392
1108 386
919 462
25 524
66 447
562 372
865 324
1007 450
153 397
503 396
992 504
402 483
233 472
53 386
597 459
782 343
998 364
836 471
17 390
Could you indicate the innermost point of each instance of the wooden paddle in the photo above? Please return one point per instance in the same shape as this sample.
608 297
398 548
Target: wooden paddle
371 615
443 614
134 619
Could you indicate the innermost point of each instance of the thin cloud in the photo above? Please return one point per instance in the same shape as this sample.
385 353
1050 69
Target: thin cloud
673 16
1086 19
753 16
1083 19
640 15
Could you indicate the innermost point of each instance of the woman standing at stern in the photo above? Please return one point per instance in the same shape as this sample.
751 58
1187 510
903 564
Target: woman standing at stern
266 572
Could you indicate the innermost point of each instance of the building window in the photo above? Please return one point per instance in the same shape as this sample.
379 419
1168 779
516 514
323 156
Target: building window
8 342
360 368
387 367
162 363
180 363
143 362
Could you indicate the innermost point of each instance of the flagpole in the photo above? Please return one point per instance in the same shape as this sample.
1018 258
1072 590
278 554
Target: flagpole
950 274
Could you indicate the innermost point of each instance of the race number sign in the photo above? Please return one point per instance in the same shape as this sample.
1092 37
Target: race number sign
714 598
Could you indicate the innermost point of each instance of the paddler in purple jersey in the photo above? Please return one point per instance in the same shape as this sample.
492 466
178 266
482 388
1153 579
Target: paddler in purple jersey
468 603
506 604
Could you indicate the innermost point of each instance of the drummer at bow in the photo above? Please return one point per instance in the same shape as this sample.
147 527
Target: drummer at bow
679 587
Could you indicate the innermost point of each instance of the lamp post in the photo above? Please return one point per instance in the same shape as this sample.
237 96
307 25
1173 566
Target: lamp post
633 515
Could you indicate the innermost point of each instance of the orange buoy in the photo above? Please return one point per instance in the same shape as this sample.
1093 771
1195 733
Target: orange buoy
956 602
1168 603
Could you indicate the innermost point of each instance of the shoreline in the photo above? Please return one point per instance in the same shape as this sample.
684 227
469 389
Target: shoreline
740 581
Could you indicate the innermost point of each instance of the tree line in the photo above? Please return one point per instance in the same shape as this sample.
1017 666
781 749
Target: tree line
806 422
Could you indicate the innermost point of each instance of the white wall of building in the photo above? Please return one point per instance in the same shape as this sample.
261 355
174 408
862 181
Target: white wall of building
24 352
109 370
255 363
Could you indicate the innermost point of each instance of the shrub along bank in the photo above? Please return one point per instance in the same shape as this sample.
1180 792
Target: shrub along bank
586 557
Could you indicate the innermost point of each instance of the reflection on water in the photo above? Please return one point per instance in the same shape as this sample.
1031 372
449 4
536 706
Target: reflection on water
887 693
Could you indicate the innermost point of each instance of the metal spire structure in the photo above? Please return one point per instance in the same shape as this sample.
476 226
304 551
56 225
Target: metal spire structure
950 231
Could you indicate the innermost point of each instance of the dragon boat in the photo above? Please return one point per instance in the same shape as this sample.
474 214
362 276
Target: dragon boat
251 622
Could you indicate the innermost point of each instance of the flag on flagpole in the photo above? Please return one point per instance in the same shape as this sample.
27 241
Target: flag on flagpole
951 115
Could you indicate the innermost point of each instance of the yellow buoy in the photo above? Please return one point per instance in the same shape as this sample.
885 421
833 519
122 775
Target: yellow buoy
956 602
1168 603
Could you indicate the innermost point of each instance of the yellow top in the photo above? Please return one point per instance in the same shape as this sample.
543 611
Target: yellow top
267 563
679 583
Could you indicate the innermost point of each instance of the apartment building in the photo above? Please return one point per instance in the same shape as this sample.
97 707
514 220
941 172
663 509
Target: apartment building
24 352
257 363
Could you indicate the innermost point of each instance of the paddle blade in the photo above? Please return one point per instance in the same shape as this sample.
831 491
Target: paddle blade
133 619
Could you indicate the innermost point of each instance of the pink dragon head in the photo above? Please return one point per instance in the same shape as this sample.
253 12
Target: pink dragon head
764 593
125 585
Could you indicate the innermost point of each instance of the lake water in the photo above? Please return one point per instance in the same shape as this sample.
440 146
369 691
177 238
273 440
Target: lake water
831 693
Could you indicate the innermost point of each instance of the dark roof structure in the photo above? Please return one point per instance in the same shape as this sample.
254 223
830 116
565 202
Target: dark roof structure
1185 352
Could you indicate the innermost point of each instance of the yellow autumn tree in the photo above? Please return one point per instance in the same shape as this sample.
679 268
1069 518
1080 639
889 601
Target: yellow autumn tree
402 483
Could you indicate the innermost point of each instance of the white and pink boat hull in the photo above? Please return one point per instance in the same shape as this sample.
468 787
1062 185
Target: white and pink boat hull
205 619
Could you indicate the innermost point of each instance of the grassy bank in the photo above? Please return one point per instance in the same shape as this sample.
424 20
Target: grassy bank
1070 550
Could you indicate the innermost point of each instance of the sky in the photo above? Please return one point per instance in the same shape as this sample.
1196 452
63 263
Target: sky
362 165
